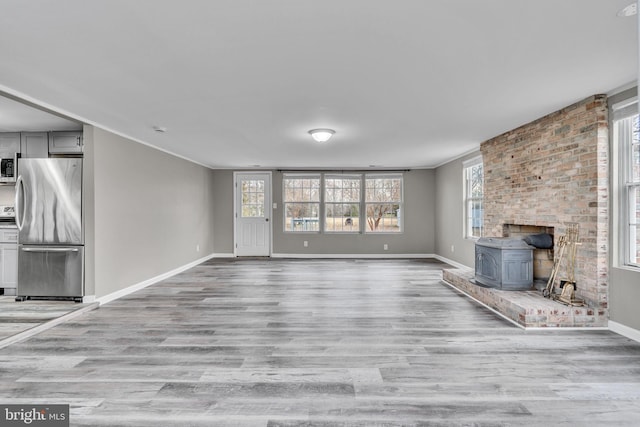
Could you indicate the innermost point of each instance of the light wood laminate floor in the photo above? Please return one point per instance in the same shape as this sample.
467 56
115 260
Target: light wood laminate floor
319 342
19 319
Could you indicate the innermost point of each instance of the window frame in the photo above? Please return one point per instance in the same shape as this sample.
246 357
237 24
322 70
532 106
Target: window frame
400 203
361 177
468 217
623 129
344 176
285 202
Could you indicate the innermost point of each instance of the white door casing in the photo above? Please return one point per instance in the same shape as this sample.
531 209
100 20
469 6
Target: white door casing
252 213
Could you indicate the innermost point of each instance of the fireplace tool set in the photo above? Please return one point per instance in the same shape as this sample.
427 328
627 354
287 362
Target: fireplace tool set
567 248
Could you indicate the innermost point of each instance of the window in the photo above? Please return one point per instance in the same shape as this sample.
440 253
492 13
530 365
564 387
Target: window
301 198
342 203
473 194
383 203
252 198
627 142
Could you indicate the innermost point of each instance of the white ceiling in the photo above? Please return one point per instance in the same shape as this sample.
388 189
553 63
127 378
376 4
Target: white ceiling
405 83
19 117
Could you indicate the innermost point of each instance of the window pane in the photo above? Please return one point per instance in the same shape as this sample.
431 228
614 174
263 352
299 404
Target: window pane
476 181
474 192
635 250
626 137
252 198
301 198
634 223
302 216
475 222
383 217
384 189
383 203
635 161
342 189
343 217
342 203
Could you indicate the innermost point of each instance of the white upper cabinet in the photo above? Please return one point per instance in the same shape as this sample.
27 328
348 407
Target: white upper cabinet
9 144
65 142
34 145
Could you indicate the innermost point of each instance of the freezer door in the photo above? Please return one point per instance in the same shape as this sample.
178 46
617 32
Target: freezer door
45 271
49 201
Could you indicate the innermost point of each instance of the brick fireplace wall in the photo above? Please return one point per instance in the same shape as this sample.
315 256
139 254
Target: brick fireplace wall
553 172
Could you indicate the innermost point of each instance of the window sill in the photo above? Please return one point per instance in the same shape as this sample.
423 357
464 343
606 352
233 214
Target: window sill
383 233
631 268
301 232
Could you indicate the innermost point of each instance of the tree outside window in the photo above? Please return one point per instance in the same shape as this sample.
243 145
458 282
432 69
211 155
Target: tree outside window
342 203
345 206
383 200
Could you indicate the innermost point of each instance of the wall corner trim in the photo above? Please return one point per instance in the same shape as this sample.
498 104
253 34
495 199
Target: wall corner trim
624 330
136 287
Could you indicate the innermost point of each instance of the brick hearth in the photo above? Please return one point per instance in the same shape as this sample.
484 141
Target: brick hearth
526 308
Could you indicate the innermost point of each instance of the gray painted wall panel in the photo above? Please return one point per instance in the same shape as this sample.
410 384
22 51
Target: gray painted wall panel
88 210
417 238
151 210
449 204
419 220
624 294
223 211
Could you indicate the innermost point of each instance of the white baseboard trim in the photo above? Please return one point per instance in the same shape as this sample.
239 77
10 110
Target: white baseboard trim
46 325
130 289
352 256
451 262
624 330
224 255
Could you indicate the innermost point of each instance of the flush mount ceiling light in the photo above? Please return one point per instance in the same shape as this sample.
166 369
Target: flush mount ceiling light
321 135
630 10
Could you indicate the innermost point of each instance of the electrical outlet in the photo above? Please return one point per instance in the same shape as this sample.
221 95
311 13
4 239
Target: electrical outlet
386 247
305 244
453 248
197 248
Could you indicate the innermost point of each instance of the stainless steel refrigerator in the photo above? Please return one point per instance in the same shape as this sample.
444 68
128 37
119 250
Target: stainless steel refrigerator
51 236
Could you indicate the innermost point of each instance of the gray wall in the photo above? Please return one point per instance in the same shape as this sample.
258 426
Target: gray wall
624 294
449 202
146 214
88 211
223 212
419 223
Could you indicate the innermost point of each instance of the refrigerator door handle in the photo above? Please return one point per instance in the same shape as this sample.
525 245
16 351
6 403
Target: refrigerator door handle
47 249
19 203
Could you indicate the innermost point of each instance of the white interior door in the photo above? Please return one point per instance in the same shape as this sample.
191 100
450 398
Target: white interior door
253 214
